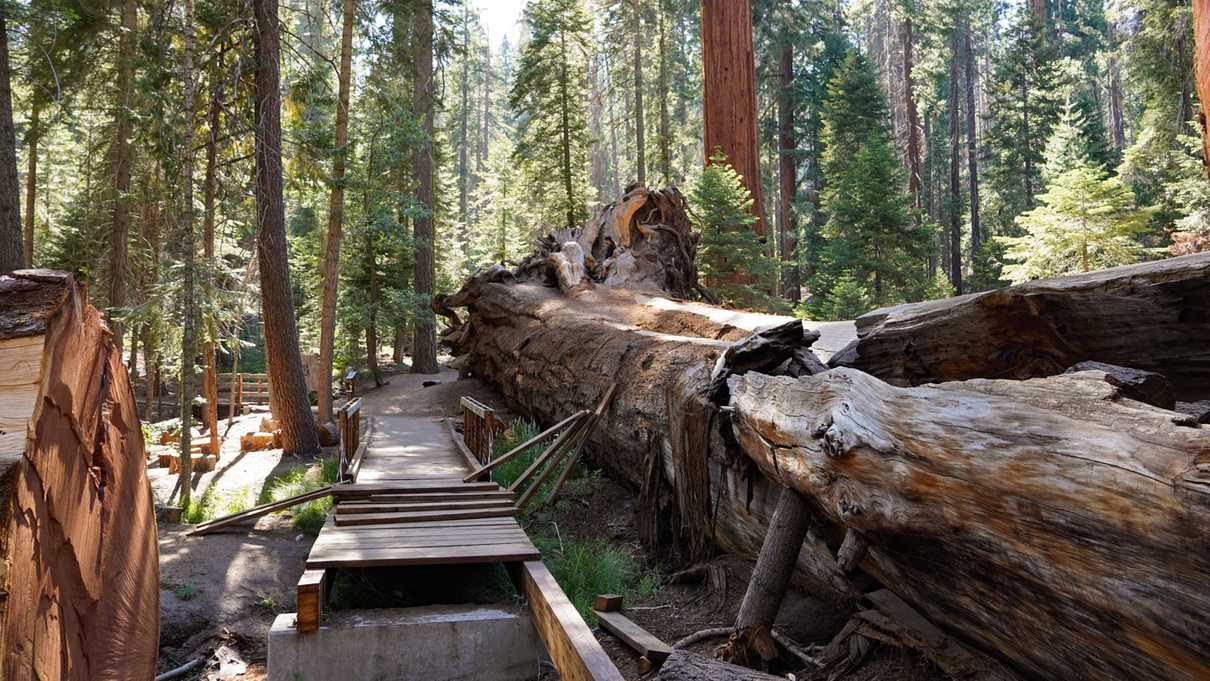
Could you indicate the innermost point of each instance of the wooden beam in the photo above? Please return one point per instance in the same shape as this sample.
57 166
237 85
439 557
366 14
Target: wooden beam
634 636
358 490
210 526
574 650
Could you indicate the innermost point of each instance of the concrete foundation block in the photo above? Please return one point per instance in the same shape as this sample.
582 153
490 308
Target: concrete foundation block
431 643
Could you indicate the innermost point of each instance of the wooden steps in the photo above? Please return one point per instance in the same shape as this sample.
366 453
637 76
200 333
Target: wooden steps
421 516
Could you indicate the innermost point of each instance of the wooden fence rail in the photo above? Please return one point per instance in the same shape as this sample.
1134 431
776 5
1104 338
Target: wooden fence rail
479 427
349 419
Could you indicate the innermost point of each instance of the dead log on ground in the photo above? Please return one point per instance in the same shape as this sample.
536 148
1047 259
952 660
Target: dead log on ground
1049 520
77 525
551 354
1153 316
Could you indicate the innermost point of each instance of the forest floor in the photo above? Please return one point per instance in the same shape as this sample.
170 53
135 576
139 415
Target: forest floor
221 592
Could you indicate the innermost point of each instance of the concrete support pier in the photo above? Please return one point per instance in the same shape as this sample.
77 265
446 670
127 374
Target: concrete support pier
430 643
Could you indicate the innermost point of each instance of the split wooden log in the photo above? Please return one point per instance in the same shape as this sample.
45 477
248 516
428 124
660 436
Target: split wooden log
1153 316
1049 521
80 560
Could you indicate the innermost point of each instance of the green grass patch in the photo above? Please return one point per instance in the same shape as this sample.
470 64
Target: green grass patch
308 516
585 569
185 592
210 505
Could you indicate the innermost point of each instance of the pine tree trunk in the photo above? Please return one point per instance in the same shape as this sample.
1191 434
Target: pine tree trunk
188 290
787 222
729 104
31 182
913 118
955 198
209 354
119 235
329 273
665 122
972 142
1117 128
288 397
463 165
640 143
424 344
11 257
770 577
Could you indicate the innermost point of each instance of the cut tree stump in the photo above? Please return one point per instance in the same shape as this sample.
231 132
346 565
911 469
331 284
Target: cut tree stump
77 524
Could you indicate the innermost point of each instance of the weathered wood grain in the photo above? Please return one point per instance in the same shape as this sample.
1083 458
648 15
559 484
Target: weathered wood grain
1050 521
1153 316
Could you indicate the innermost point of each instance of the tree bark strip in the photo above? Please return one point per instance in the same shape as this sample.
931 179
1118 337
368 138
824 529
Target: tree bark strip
188 269
11 256
424 344
729 104
329 268
119 235
288 398
31 181
787 222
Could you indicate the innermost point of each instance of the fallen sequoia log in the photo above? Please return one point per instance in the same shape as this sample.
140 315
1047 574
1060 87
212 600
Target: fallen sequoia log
1153 316
1017 584
1022 513
77 527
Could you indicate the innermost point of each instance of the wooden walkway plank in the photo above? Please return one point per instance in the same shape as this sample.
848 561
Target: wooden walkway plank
451 555
420 516
416 497
358 490
380 507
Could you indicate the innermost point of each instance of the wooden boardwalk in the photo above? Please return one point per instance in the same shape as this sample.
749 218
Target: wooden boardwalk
409 506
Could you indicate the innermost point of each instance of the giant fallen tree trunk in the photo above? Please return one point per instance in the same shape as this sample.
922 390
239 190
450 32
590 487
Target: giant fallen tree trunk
1020 514
77 526
1153 316
1008 576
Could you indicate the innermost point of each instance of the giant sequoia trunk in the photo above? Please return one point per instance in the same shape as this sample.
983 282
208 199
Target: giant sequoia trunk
77 526
1053 524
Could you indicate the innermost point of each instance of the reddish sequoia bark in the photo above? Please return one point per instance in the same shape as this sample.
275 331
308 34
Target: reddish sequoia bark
1201 62
729 104
77 526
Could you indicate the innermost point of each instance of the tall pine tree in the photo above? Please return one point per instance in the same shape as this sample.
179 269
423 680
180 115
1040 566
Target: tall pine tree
550 95
870 235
